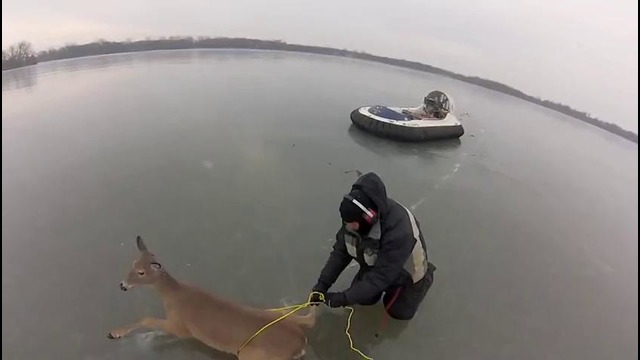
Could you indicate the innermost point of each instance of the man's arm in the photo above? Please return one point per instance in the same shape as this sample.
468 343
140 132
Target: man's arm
337 262
394 252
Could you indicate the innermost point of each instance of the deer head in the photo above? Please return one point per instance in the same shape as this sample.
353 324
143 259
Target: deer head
145 270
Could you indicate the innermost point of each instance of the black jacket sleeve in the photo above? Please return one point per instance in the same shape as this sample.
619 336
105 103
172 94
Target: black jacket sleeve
395 249
337 262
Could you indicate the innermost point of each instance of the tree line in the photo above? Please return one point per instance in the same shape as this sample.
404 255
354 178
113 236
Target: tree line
18 55
22 54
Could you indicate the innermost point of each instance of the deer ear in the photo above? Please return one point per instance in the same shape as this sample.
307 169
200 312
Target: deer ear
156 266
141 246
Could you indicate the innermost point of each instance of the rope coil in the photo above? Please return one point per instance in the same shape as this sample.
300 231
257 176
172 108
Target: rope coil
302 306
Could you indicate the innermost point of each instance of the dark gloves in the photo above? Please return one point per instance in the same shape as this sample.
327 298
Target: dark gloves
336 299
316 298
332 299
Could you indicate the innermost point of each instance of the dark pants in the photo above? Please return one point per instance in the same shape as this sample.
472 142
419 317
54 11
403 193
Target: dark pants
402 302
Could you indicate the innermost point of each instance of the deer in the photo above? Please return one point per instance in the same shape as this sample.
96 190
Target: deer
224 325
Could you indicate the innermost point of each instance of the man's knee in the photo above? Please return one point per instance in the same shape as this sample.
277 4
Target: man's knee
406 305
399 313
408 300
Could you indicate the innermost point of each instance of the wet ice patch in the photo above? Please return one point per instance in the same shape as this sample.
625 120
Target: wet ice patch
437 185
207 164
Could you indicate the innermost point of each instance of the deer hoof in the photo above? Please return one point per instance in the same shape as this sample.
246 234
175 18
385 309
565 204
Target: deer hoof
113 336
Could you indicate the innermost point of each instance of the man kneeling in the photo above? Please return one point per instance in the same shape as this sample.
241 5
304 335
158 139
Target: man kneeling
385 239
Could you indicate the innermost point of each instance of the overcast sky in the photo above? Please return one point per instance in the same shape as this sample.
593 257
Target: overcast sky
583 53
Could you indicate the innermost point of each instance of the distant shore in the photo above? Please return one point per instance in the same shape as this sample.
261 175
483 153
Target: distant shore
24 57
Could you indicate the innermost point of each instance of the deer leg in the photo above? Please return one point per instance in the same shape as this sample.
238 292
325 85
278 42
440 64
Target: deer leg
151 323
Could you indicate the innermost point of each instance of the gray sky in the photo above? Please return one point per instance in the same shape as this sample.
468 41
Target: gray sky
583 53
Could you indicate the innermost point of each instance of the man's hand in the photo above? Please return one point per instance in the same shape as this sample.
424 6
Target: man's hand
316 298
336 299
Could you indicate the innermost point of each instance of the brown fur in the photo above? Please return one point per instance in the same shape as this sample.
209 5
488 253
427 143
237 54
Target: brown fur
221 324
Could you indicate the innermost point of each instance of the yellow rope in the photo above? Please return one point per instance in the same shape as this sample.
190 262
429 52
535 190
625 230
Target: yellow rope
294 307
302 306
346 331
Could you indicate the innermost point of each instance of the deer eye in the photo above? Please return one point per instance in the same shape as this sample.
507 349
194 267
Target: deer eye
141 272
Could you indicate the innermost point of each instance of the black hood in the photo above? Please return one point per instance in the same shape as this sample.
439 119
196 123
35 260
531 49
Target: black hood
371 184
